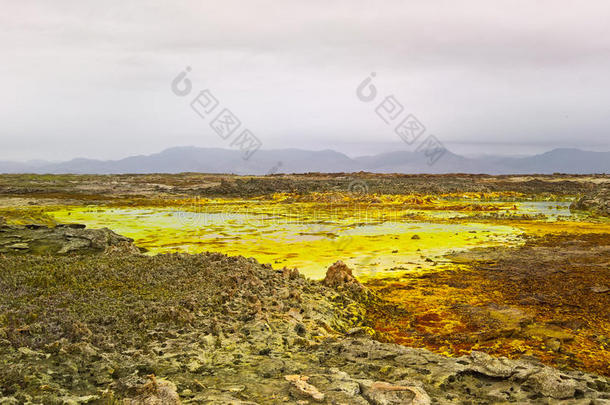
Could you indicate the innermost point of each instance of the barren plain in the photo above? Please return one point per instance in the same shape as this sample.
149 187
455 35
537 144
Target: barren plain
331 288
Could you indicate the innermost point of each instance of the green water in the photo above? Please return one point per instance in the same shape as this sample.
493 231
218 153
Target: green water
311 238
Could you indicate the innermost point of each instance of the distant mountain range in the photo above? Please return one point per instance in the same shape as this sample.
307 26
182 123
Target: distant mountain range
214 160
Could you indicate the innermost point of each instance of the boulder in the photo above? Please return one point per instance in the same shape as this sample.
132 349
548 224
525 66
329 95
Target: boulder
339 275
491 366
597 202
62 239
156 392
550 383
384 393
303 388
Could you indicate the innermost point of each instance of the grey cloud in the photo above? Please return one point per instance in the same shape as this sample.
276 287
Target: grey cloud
475 70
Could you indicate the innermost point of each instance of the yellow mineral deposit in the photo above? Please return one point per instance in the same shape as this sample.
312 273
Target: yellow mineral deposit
397 244
398 233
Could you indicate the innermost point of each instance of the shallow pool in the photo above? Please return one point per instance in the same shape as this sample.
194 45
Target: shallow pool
310 237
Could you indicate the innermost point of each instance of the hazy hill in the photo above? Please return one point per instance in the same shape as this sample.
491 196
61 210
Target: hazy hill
215 160
561 160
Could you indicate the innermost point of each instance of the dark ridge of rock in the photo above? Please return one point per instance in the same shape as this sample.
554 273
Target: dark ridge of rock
62 239
215 329
113 188
597 202
209 328
418 376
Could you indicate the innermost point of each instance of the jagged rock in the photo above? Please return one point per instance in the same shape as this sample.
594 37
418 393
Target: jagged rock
352 388
339 275
241 340
74 244
342 382
383 393
549 382
63 239
491 366
157 392
597 202
304 388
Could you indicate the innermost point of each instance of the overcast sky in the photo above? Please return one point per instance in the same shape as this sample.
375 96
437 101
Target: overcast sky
93 79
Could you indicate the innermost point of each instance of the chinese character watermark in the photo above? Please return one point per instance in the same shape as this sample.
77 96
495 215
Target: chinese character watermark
406 126
225 123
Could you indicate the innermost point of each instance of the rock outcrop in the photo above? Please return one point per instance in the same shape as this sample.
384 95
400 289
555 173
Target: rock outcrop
339 275
214 329
597 202
62 239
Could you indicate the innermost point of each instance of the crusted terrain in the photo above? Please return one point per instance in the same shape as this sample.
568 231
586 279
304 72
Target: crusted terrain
596 201
60 239
549 298
117 326
86 318
92 188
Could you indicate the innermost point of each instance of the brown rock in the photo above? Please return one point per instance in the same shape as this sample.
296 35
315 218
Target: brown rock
338 275
383 393
597 202
549 382
303 388
157 392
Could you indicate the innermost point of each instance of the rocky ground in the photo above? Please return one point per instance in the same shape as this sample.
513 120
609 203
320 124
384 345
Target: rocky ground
103 324
111 187
86 318
549 298
60 239
596 201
